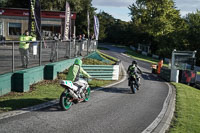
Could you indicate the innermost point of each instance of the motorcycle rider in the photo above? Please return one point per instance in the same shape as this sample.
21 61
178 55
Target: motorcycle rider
74 75
133 69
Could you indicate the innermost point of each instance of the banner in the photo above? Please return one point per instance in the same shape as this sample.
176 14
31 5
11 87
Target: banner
188 76
34 24
67 22
96 27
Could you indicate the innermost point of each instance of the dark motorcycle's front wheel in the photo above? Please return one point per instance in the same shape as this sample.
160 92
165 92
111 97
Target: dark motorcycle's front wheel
87 94
133 88
65 101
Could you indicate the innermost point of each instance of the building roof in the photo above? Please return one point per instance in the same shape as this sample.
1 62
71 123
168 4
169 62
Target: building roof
25 13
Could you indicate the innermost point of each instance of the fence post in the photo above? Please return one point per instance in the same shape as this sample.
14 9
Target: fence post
40 53
75 48
13 57
56 43
88 46
80 47
70 43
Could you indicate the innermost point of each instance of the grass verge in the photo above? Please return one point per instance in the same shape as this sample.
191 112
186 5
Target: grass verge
187 116
102 48
112 59
141 57
40 93
89 61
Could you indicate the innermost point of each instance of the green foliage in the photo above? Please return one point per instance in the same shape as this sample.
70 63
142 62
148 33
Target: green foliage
138 56
193 33
157 21
102 48
154 17
89 61
106 21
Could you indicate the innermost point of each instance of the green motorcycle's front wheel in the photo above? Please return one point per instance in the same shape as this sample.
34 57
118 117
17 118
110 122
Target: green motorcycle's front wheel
65 102
87 94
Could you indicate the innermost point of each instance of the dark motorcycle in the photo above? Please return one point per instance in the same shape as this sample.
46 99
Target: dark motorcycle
134 83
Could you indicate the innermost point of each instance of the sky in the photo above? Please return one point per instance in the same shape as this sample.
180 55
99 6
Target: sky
119 8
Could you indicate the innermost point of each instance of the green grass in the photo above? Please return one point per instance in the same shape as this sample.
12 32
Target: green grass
89 61
141 57
187 113
40 93
113 59
102 48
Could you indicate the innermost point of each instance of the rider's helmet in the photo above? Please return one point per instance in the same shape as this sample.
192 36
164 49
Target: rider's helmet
78 62
134 63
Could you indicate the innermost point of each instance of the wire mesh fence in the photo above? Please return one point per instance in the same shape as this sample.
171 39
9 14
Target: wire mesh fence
13 58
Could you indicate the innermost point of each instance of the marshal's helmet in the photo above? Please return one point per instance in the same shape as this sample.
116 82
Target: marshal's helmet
78 62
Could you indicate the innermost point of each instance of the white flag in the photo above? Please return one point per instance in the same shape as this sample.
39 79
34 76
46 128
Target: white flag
67 22
96 27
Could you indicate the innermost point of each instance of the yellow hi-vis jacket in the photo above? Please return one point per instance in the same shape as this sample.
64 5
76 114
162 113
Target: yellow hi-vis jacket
22 44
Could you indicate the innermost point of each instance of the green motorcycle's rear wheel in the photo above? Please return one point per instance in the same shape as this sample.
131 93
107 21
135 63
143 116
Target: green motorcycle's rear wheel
87 94
65 102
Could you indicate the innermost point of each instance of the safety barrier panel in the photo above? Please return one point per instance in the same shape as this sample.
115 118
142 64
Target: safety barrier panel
5 83
165 73
21 80
105 72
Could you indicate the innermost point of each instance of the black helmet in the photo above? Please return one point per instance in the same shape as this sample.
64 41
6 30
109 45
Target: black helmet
134 62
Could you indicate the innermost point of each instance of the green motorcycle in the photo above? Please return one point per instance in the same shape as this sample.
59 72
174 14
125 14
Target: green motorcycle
71 94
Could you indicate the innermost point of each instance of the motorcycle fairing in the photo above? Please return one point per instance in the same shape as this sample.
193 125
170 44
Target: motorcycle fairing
69 84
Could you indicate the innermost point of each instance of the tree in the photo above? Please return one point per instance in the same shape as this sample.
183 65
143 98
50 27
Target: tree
113 30
14 3
106 21
193 33
157 18
81 21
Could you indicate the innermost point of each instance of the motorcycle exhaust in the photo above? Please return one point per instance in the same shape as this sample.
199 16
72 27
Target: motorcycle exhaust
73 94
